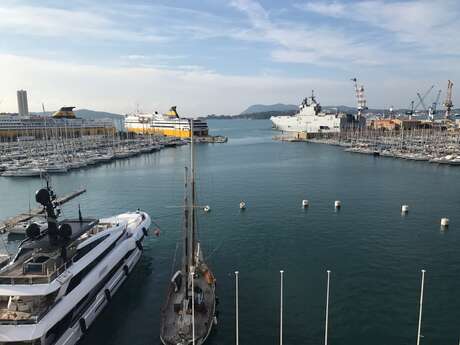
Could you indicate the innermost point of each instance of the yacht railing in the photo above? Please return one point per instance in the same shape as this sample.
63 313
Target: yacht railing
35 279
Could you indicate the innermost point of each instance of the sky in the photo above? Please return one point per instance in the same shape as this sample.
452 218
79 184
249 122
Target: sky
219 57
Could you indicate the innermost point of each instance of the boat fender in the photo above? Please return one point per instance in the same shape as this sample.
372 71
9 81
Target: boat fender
215 320
108 296
82 323
144 230
139 244
126 269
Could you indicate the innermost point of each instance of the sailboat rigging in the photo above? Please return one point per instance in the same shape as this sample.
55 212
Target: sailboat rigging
189 312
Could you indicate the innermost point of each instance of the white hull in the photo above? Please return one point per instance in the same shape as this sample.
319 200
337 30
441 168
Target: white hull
110 263
309 124
79 328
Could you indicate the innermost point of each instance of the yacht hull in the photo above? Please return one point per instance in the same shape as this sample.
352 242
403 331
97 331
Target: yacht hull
80 327
97 279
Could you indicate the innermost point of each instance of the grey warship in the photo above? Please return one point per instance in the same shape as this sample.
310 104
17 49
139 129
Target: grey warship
189 311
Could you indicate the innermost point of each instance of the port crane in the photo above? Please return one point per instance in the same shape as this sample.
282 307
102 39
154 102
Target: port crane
448 102
361 100
421 99
411 111
433 107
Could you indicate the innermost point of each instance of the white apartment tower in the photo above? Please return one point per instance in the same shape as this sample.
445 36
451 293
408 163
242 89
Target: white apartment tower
23 107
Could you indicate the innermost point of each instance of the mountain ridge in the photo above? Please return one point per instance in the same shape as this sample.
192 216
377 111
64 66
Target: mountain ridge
260 108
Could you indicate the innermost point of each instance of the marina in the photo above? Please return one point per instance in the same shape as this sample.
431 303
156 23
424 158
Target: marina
36 157
235 172
433 146
370 248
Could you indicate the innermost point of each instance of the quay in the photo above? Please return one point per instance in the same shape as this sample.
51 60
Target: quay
7 224
434 145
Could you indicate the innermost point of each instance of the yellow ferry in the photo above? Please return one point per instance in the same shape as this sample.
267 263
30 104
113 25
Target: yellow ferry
168 124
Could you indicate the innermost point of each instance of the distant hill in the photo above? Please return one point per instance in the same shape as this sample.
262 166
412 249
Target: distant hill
262 108
250 116
87 114
93 114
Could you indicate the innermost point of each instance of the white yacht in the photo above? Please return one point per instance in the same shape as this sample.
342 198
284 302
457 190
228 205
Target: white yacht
310 119
59 280
24 171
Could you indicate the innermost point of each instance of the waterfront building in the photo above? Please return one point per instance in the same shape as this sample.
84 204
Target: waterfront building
23 106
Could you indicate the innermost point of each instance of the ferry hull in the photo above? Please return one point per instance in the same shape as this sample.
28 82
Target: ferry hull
179 133
49 132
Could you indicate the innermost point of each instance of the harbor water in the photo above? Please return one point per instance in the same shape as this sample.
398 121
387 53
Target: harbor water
375 254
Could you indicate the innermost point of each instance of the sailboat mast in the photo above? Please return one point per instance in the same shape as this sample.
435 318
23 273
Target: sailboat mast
186 228
192 224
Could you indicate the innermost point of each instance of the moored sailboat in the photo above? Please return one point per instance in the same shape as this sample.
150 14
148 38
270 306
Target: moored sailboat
189 312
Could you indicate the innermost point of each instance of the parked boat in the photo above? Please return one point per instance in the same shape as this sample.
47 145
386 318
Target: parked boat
23 172
189 311
20 228
60 279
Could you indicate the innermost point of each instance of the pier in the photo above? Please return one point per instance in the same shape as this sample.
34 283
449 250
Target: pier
25 216
434 145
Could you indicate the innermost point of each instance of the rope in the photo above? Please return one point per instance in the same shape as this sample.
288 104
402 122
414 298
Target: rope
174 260
215 249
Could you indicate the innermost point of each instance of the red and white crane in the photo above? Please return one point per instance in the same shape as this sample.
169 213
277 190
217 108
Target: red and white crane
361 100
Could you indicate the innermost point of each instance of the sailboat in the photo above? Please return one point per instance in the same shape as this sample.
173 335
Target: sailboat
189 312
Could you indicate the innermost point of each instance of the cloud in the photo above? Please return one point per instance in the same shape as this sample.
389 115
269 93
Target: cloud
303 43
68 23
119 89
427 25
333 9
195 91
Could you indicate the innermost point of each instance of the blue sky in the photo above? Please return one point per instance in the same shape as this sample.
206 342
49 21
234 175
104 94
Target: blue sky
214 56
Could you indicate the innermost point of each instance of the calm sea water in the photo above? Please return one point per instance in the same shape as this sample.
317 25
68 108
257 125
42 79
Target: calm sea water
375 255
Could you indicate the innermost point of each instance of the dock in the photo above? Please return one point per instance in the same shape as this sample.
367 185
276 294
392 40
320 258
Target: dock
211 139
25 216
433 145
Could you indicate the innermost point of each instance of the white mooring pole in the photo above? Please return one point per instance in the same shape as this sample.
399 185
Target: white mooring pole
421 308
281 307
193 305
327 307
236 309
